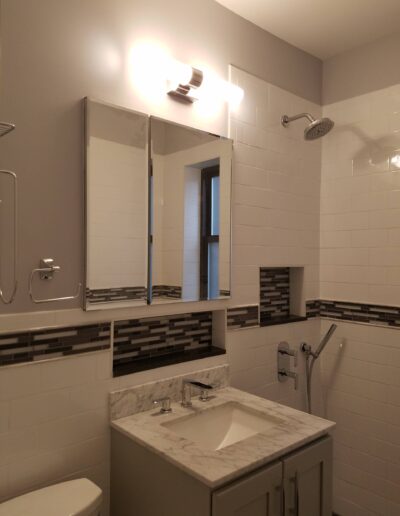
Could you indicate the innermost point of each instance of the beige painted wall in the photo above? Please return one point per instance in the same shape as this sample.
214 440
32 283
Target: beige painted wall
362 70
55 53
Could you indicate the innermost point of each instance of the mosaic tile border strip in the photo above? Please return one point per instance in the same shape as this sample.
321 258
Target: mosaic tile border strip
168 291
241 317
274 293
32 346
107 295
355 312
150 342
313 308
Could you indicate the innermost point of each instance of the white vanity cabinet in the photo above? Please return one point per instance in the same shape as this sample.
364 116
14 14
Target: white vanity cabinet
259 494
145 484
298 485
307 480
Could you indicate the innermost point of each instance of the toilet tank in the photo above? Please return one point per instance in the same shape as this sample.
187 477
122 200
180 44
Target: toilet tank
79 497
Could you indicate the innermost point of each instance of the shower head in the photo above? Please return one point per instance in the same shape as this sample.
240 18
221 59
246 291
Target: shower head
315 129
325 341
6 128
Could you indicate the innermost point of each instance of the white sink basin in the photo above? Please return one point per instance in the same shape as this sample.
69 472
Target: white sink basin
221 426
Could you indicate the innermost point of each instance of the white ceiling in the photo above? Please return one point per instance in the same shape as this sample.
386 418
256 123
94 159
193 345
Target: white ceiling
323 28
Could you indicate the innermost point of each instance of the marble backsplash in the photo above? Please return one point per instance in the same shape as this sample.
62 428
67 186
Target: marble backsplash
139 398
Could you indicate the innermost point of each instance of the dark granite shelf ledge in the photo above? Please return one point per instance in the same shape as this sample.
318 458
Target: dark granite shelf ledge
281 320
136 366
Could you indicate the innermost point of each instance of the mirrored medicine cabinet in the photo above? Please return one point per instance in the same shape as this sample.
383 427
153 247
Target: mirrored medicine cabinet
158 210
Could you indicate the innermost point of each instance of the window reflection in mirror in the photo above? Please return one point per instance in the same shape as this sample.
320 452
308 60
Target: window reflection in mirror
190 214
116 206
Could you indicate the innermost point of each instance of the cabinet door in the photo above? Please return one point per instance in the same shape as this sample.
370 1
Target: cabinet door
307 480
260 494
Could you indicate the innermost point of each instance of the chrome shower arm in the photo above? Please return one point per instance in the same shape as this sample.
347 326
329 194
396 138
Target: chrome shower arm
287 119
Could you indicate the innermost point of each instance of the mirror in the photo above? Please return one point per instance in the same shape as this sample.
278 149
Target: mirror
190 206
116 206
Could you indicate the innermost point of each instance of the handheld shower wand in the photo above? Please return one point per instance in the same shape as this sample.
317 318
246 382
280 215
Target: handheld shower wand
311 357
306 348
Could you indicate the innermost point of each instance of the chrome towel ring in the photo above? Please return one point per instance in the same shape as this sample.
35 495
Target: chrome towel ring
46 271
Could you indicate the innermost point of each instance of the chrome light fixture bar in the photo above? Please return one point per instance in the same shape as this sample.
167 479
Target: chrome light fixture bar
184 92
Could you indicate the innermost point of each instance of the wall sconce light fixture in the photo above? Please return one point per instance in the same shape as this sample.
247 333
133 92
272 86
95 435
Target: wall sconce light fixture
154 73
188 84
184 87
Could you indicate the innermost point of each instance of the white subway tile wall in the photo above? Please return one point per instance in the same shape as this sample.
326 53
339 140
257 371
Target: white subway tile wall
118 237
361 390
360 257
54 419
360 200
276 188
253 360
276 184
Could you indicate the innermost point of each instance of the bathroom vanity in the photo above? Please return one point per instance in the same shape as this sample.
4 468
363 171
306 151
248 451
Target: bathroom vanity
234 455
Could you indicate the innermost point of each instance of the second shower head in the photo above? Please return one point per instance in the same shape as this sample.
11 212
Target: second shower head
315 129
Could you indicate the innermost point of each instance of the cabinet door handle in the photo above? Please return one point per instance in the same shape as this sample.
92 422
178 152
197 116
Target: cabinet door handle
295 509
280 496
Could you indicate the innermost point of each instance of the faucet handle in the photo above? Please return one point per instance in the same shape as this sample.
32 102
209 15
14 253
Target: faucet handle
283 373
284 349
165 405
204 396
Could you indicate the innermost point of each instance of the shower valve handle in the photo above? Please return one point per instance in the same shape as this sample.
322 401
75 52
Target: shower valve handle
289 374
290 352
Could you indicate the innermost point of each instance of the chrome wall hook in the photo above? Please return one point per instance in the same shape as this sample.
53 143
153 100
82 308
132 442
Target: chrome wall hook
46 272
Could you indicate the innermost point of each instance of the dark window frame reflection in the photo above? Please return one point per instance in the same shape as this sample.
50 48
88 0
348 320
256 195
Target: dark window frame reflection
209 281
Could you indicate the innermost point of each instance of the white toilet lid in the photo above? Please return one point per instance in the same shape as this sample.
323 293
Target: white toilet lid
73 498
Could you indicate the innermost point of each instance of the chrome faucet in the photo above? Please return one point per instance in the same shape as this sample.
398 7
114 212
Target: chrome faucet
164 404
187 385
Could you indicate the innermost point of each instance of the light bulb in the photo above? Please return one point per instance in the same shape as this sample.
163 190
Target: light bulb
234 95
395 161
178 73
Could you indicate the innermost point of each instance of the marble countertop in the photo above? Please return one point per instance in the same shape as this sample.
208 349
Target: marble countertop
215 468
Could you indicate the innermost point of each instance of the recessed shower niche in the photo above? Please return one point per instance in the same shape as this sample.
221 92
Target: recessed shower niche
281 295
